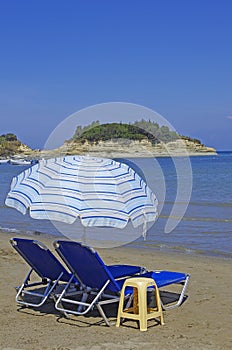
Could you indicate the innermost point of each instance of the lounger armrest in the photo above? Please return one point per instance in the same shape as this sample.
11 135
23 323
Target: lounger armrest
119 271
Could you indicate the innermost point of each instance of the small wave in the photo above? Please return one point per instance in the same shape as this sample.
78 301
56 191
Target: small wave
162 247
21 232
179 249
193 203
215 253
195 218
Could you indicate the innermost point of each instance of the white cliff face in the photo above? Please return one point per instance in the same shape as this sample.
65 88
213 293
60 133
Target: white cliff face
122 148
24 148
130 148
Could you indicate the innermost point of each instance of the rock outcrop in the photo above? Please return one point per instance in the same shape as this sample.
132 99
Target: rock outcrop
117 148
131 149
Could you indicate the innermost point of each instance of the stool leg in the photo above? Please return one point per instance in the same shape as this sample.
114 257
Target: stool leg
135 301
120 307
143 309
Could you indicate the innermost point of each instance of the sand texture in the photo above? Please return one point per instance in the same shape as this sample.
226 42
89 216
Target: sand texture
202 322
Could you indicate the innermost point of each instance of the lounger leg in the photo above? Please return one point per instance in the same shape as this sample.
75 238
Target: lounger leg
101 312
43 297
59 300
88 306
21 288
83 300
178 303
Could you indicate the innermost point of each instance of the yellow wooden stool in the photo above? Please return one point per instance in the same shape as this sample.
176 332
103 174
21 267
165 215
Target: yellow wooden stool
139 311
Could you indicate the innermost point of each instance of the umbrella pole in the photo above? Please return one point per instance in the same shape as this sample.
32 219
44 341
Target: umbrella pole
144 226
83 238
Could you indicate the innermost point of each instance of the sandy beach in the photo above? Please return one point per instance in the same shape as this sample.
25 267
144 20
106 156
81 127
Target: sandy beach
202 322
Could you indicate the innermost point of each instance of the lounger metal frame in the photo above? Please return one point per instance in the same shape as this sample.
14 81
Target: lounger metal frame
183 284
47 283
109 290
182 295
105 294
24 289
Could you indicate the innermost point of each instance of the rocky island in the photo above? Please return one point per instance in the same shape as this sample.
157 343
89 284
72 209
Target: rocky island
115 140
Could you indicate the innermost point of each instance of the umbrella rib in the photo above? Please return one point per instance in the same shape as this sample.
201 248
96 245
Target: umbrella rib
17 200
23 194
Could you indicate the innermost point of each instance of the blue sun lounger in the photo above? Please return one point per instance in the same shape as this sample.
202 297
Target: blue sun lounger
47 268
102 281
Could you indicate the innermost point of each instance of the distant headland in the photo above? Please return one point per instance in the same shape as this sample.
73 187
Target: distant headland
113 140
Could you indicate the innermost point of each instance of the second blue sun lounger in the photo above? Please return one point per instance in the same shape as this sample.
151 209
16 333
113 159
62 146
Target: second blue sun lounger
102 281
45 265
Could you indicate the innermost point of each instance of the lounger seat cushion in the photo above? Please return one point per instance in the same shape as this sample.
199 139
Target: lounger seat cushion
165 278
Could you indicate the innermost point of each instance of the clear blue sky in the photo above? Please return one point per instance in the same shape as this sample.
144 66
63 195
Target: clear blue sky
173 56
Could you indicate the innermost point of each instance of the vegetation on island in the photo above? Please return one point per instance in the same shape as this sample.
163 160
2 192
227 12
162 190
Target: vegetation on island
9 145
139 130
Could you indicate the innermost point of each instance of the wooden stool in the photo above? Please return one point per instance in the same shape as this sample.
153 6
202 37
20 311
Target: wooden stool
139 311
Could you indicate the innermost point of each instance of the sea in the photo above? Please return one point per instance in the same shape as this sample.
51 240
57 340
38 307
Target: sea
195 205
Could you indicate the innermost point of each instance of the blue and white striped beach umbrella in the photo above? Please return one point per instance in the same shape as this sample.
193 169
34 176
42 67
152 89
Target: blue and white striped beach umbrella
101 192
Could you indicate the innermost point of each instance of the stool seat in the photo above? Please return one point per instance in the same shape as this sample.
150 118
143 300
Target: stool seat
139 311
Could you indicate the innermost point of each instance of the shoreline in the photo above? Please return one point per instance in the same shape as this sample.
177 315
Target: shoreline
184 252
130 246
194 325
113 154
107 155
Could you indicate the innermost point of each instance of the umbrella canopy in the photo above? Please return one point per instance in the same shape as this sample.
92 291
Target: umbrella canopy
101 192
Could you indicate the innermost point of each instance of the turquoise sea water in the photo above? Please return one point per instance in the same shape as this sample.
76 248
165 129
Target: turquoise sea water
205 227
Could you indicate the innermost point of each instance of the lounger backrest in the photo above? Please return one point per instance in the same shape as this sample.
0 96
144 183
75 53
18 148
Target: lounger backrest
40 258
86 264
